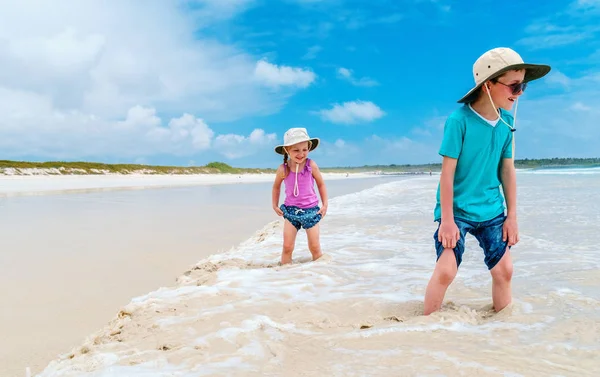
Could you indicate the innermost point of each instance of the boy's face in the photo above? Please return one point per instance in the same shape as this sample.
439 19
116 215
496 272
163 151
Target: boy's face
298 152
507 89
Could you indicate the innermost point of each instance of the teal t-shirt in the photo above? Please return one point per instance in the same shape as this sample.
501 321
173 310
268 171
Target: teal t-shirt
479 148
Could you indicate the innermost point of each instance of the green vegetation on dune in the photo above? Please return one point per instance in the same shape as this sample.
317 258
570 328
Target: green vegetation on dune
83 168
80 167
519 164
557 162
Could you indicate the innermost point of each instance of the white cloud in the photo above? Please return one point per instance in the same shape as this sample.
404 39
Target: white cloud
305 2
113 56
312 52
188 126
236 146
586 5
276 76
577 22
553 40
578 106
207 11
139 117
431 128
344 72
561 125
352 112
354 19
439 4
339 153
340 143
390 19
557 77
348 75
401 150
377 149
73 134
140 135
74 67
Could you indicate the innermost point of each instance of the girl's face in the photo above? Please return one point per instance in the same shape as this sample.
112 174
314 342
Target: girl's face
298 152
507 89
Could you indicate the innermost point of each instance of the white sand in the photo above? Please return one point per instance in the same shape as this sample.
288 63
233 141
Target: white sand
12 185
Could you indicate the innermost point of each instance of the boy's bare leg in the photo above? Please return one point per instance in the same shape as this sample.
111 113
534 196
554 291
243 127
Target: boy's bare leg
444 273
314 242
289 241
501 282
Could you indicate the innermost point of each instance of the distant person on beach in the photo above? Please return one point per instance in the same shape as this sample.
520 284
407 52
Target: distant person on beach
300 208
478 156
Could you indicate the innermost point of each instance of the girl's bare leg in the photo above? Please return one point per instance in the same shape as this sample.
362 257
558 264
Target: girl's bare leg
289 241
314 242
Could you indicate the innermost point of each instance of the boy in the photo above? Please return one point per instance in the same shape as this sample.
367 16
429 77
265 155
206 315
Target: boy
477 150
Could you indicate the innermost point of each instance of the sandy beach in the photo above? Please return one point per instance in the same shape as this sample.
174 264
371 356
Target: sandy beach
357 311
77 249
41 184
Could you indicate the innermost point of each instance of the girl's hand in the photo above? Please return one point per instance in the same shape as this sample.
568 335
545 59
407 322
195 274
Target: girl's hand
510 231
278 211
448 234
322 211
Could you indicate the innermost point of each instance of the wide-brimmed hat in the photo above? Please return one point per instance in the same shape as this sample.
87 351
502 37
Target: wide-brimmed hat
496 62
295 136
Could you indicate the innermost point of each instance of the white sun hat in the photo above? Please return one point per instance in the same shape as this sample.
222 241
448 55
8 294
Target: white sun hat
495 62
295 136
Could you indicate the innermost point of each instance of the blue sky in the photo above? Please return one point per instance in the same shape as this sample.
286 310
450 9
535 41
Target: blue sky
189 82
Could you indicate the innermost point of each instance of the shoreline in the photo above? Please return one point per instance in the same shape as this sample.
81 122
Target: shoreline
52 184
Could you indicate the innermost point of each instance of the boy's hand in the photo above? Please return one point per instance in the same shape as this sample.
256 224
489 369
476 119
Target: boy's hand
322 211
510 231
278 211
448 234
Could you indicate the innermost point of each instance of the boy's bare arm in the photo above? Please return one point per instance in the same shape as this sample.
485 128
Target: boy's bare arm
448 233
510 229
447 188
509 186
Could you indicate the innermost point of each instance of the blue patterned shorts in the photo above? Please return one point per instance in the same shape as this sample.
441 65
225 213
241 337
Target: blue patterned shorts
488 234
301 217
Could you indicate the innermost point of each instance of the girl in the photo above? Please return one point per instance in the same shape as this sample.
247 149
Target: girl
301 206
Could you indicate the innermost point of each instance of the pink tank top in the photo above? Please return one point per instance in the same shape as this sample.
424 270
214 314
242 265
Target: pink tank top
301 192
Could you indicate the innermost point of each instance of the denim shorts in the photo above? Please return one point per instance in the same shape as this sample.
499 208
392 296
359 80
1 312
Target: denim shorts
301 217
488 233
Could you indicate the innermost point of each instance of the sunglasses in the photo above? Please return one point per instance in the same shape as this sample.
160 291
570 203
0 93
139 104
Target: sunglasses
516 88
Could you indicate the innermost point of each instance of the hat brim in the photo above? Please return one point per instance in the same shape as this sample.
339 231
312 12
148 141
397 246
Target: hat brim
314 144
532 72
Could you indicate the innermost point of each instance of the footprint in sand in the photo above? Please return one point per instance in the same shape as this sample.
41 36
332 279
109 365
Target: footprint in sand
205 273
395 313
392 318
